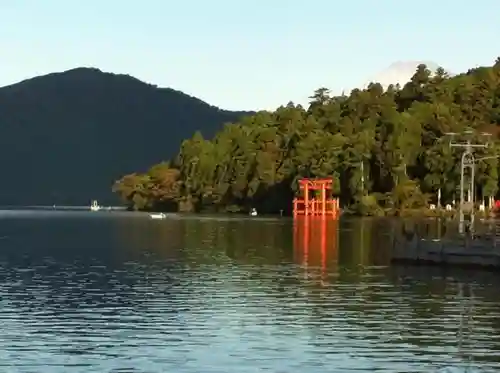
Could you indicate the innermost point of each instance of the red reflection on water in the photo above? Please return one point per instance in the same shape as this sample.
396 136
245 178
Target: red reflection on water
316 241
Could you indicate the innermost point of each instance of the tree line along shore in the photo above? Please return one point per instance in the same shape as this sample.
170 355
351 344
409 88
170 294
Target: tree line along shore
387 151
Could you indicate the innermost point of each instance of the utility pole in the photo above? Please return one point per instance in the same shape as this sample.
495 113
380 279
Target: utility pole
468 161
363 177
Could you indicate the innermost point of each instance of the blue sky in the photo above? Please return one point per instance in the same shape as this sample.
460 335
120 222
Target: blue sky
244 54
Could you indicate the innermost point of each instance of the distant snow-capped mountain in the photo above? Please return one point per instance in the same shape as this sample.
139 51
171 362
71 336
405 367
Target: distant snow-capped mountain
399 72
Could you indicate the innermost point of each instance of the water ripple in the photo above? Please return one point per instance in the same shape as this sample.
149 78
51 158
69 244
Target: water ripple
202 312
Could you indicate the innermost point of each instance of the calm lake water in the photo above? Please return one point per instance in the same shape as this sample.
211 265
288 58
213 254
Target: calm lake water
117 292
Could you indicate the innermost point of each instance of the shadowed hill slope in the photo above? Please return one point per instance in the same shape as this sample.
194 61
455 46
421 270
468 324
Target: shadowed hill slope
65 137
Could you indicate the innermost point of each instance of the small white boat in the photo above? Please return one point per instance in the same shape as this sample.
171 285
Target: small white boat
253 212
160 215
94 206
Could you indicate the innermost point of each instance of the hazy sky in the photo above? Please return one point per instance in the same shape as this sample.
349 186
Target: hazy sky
244 54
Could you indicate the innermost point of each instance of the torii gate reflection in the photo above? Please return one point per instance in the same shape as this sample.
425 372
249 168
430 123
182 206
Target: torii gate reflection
316 242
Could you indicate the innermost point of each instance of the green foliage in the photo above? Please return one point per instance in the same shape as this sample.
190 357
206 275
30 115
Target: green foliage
368 206
383 149
407 196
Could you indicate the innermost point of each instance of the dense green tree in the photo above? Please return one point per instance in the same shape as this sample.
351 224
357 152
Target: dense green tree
381 147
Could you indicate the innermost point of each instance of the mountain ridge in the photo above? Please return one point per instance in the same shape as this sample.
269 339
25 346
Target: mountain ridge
76 131
95 70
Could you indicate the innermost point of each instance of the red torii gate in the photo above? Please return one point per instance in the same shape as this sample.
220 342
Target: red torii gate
310 205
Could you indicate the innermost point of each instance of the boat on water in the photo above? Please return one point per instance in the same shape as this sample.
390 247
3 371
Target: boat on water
159 215
95 206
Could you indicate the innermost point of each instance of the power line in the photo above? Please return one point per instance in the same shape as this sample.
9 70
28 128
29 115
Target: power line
468 161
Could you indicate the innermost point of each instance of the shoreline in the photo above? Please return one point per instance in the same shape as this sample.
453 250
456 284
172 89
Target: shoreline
387 213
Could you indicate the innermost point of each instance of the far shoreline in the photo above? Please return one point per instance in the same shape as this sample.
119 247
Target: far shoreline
385 213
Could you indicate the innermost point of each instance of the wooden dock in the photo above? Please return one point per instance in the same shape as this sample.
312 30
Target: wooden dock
467 250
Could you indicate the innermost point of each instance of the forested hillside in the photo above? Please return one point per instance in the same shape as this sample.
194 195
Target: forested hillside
396 137
66 137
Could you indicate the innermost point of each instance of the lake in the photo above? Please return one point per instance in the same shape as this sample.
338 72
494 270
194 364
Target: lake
119 292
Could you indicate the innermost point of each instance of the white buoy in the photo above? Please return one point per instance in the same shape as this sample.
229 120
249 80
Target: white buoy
160 215
94 206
